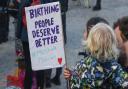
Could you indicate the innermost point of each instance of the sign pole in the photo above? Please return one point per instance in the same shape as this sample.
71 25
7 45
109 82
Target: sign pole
67 81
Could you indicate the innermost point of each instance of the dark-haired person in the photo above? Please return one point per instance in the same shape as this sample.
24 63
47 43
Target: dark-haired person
93 21
121 30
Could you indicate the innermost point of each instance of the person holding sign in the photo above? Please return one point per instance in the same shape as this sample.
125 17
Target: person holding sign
100 62
21 33
45 44
64 8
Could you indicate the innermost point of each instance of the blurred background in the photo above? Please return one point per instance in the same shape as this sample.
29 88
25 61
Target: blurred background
77 15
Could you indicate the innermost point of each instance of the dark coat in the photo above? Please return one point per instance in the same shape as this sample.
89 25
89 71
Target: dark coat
21 31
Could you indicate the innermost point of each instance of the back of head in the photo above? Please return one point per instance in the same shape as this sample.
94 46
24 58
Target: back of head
95 20
101 42
123 27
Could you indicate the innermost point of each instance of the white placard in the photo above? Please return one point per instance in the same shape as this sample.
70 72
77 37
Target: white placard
45 35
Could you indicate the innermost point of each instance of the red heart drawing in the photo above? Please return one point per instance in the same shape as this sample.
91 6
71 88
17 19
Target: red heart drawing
59 60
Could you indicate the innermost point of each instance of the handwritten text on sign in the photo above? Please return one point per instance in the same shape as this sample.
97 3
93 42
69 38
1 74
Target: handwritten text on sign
45 36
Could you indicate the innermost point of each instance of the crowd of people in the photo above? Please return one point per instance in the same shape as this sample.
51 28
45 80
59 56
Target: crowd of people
105 57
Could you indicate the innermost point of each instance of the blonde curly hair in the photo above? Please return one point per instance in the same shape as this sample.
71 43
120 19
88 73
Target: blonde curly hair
101 42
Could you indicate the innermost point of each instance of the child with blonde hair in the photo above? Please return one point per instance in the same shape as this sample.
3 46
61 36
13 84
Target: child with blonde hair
100 63
90 23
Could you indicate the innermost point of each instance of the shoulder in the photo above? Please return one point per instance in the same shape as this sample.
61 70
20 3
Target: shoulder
91 71
87 61
87 64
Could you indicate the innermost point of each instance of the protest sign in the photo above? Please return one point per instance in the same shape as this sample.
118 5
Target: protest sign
45 35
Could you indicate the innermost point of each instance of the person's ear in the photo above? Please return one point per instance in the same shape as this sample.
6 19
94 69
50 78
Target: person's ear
118 35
